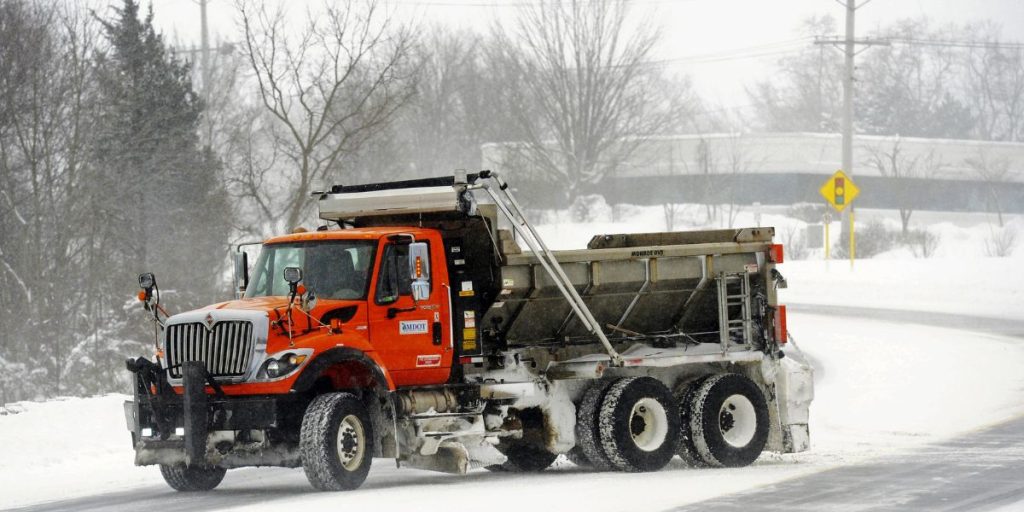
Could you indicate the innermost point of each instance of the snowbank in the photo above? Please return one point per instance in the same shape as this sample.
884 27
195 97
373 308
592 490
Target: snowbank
67 447
883 386
976 286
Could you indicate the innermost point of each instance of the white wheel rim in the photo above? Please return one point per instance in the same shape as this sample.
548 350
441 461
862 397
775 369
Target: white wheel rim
648 424
351 443
737 421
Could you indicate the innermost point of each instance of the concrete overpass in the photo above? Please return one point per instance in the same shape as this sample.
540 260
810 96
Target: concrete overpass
787 168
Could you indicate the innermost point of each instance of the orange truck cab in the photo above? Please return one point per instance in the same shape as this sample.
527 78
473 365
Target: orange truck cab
411 327
357 279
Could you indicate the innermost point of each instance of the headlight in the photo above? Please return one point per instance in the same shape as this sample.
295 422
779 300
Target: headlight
273 368
280 365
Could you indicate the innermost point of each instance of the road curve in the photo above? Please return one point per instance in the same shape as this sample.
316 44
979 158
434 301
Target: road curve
982 470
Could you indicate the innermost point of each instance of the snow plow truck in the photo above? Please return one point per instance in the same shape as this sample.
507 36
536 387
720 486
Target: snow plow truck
430 324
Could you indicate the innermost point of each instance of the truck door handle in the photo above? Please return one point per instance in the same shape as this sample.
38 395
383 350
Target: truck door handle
393 312
437 333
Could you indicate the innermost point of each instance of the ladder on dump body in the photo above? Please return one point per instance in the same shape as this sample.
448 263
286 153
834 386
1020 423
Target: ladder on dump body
734 310
508 205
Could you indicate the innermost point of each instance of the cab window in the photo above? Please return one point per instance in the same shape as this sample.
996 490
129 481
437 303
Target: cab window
394 280
331 269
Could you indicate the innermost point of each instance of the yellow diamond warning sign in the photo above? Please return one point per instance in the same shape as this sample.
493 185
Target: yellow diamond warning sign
839 190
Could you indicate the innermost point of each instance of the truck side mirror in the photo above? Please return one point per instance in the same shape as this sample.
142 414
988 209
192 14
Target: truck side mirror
241 272
419 270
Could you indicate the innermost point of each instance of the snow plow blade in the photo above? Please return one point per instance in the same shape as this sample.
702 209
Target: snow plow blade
196 413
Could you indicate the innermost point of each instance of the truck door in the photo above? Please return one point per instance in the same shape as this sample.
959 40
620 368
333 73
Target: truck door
412 337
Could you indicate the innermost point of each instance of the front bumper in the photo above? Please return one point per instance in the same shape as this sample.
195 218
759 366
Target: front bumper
198 428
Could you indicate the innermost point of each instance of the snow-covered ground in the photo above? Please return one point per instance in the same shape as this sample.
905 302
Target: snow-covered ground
977 286
65 448
881 387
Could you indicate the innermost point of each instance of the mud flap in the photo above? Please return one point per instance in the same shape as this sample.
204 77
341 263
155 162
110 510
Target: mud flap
193 375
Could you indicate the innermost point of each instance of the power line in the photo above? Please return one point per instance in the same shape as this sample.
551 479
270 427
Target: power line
745 51
995 45
702 60
750 52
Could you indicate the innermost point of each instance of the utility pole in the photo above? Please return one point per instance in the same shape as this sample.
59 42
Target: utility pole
848 52
849 45
205 48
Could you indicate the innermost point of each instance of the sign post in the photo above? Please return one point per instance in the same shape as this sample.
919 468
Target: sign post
827 221
840 191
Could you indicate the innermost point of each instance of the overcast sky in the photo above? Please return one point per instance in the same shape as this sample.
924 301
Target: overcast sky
723 45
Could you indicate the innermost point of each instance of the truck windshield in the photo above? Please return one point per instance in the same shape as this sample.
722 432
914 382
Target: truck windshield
333 269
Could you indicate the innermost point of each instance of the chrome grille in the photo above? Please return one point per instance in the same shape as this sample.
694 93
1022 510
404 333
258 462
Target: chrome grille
226 349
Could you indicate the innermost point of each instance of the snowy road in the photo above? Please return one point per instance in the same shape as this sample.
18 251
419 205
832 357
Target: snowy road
980 471
850 468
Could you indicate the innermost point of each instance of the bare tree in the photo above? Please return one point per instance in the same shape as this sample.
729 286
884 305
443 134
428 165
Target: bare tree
46 84
995 85
1000 242
737 164
707 167
806 93
893 162
909 88
993 172
329 88
450 115
593 93
670 204
237 126
720 168
436 121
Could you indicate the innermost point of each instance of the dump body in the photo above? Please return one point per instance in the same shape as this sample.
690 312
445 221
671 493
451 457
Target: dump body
640 285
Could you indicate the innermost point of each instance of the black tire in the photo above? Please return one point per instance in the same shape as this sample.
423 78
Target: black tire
322 447
721 410
192 478
588 435
528 454
686 450
639 424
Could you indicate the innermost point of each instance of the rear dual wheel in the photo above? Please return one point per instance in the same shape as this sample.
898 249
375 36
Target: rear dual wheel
639 424
631 424
724 421
588 451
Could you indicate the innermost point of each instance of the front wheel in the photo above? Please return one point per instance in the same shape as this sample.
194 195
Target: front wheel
335 442
192 478
728 420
